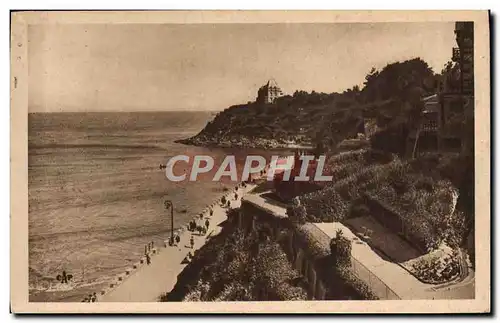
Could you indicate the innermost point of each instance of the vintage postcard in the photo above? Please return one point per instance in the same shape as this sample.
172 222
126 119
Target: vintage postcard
250 162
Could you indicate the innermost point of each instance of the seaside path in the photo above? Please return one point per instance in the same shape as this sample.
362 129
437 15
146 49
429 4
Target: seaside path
149 282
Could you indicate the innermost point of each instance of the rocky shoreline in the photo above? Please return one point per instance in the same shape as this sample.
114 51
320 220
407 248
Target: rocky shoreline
243 142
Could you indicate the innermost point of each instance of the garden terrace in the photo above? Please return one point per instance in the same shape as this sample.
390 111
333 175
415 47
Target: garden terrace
417 230
425 207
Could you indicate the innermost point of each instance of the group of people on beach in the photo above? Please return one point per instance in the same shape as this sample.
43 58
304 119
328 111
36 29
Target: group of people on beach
193 226
174 241
147 251
90 299
64 278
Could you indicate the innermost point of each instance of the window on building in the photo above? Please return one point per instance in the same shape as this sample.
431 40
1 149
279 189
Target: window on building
430 125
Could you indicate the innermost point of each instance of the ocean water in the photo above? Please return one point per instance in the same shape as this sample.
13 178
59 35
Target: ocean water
96 193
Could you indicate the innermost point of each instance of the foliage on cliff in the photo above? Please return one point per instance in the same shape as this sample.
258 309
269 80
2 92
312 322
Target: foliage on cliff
424 200
238 268
388 95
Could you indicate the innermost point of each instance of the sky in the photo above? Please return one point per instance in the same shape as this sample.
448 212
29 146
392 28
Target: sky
165 67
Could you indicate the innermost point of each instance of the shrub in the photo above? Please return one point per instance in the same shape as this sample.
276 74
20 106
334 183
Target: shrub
456 229
437 270
315 239
373 156
424 183
345 157
390 139
359 209
325 205
290 293
357 284
297 213
340 250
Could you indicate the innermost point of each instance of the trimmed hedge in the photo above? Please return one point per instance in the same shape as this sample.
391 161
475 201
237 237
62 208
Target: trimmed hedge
325 205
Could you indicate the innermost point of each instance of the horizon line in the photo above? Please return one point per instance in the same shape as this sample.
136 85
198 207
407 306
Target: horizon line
117 111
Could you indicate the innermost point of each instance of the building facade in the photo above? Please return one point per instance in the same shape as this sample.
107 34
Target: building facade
447 113
269 92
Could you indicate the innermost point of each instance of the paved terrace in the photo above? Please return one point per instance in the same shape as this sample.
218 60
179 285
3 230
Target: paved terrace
404 284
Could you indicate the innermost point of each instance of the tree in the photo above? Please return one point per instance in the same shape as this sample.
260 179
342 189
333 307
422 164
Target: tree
371 76
395 80
448 67
320 147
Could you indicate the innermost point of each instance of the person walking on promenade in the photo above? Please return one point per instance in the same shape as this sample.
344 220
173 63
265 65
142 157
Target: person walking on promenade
177 239
148 259
207 223
211 212
94 297
64 277
191 241
235 196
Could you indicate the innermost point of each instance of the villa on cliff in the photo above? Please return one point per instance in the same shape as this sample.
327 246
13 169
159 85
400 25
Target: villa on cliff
269 92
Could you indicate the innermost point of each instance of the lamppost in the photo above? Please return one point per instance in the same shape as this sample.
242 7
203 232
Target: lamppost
168 204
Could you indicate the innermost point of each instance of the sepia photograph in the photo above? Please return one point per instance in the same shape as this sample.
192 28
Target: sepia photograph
278 161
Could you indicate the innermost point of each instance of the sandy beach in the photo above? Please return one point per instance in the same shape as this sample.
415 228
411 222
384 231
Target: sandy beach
148 282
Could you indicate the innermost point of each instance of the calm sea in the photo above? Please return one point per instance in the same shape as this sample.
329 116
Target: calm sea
96 193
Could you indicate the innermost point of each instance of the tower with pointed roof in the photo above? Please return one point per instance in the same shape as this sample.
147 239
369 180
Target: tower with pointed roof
269 92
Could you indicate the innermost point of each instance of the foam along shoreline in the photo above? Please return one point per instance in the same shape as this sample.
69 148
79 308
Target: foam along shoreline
146 283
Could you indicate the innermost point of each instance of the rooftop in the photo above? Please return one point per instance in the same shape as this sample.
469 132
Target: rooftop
272 83
268 205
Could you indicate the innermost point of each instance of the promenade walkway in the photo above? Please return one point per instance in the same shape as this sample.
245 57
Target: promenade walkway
148 282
